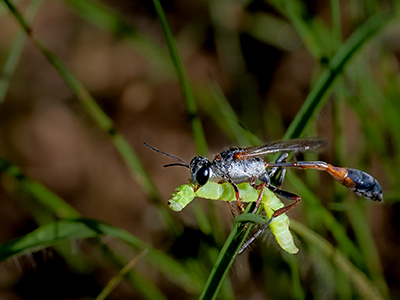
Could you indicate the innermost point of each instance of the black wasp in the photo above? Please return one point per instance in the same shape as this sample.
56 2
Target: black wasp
243 164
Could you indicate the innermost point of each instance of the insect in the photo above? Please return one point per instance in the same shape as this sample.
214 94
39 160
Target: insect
243 164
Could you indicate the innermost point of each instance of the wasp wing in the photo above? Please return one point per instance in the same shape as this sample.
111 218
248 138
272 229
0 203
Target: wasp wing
297 145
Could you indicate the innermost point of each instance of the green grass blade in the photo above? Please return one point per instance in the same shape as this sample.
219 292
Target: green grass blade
336 19
364 286
51 234
225 259
184 83
317 97
145 286
45 236
15 51
295 10
217 106
367 245
297 290
45 197
120 276
17 15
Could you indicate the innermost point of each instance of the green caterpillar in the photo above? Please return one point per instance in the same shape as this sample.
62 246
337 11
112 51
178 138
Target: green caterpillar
280 226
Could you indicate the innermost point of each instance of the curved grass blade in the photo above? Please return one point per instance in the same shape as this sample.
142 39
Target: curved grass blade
45 236
317 96
51 234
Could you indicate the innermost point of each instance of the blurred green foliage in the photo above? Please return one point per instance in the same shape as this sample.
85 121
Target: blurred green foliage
355 81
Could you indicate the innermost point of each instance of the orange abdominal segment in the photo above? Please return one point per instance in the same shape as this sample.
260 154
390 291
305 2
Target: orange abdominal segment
341 175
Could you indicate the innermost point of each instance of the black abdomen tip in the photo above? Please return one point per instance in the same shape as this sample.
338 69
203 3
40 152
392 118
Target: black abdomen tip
365 185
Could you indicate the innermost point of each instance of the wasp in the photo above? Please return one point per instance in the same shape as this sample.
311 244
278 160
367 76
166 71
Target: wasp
244 164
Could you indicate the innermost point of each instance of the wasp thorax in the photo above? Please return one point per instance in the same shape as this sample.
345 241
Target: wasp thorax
200 168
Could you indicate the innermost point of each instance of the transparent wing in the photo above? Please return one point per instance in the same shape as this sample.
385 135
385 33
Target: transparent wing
299 145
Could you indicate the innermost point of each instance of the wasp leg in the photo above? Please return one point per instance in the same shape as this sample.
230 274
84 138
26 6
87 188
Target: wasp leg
273 171
280 179
237 196
265 180
357 181
286 195
245 245
231 209
260 187
276 213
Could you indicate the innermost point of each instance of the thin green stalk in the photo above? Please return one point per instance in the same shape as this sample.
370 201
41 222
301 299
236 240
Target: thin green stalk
336 26
198 132
111 285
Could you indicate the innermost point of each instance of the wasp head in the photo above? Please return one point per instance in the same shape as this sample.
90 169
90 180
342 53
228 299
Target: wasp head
200 168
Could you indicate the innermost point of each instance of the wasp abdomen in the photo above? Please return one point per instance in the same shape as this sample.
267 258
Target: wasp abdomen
364 185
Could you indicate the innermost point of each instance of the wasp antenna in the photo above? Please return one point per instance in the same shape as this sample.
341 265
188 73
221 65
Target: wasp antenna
169 155
176 164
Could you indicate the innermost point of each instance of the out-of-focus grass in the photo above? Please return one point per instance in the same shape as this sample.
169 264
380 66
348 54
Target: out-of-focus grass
374 101
15 52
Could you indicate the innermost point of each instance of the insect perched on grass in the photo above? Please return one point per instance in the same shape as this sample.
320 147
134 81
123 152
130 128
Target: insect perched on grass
243 164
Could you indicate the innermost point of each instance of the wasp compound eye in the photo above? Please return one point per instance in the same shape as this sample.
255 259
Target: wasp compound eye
203 174
201 170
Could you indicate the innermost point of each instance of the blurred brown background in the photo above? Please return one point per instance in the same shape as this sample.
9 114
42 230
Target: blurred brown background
45 130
